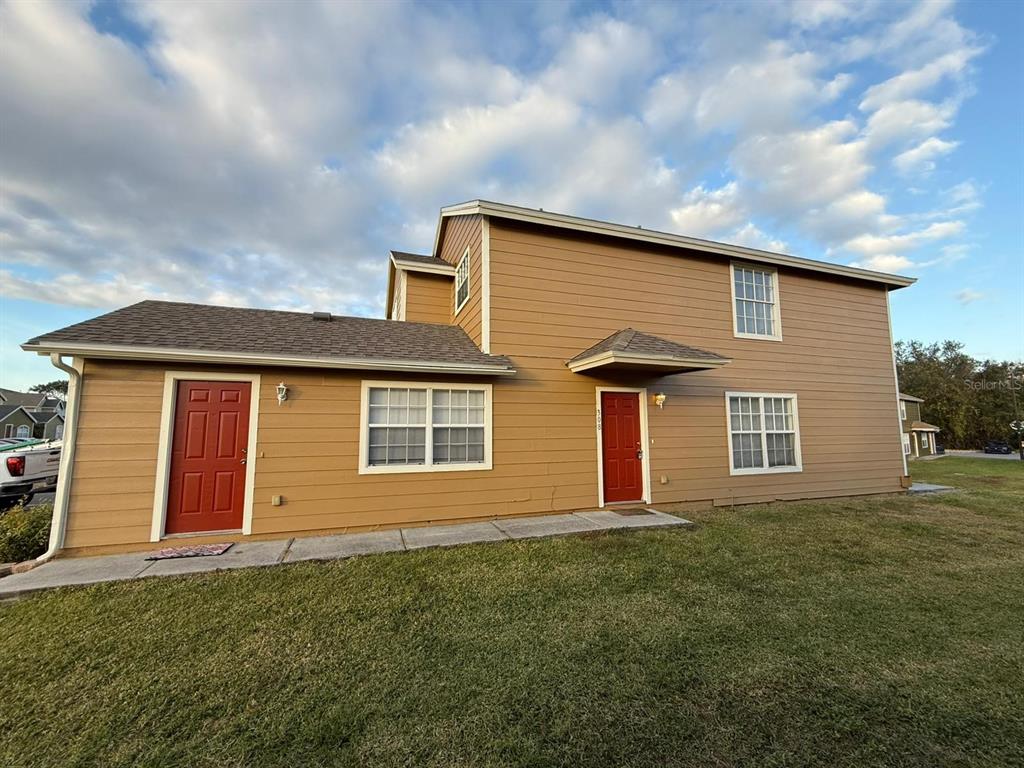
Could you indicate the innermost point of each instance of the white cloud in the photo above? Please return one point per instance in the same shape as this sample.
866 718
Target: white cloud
968 295
752 237
921 159
705 213
885 245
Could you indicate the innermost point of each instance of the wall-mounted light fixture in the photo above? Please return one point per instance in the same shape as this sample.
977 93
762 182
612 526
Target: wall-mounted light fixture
282 393
659 399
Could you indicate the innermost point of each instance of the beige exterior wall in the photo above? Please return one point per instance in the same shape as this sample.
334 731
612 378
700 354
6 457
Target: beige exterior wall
428 298
553 296
460 233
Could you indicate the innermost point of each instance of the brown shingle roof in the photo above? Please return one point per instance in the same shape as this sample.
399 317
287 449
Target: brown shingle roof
636 342
418 258
272 333
923 426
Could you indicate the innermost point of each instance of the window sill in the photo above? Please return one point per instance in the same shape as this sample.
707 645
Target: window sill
760 336
765 470
399 469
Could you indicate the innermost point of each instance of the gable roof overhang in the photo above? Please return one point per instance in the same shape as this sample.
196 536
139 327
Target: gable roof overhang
631 350
923 426
609 229
9 410
910 398
412 262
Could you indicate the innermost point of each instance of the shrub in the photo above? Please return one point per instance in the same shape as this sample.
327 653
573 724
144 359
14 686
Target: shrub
24 532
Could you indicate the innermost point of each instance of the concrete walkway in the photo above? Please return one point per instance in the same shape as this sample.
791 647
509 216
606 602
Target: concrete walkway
929 488
247 553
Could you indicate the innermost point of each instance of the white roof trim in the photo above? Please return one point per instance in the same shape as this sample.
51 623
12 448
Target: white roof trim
247 358
533 216
419 266
654 361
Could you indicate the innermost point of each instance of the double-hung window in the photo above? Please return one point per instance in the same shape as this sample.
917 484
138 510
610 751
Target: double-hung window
462 282
906 444
903 410
424 427
755 303
764 433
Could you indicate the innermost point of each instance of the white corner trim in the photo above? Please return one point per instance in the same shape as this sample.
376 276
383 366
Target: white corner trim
776 305
645 439
364 429
896 381
163 460
766 470
485 286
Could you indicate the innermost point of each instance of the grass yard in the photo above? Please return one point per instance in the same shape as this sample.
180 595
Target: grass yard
884 631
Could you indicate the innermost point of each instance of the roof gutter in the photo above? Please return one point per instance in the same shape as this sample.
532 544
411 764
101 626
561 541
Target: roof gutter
164 354
58 524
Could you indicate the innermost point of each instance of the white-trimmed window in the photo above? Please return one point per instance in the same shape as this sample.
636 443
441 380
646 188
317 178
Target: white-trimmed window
924 439
755 300
906 444
462 282
420 427
23 431
903 410
8 430
764 433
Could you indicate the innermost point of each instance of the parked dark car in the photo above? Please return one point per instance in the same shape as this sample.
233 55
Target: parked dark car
997 446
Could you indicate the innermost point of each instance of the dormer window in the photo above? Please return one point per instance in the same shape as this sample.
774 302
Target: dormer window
755 303
462 282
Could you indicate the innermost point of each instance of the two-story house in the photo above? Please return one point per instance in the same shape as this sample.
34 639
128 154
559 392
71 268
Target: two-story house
530 362
918 436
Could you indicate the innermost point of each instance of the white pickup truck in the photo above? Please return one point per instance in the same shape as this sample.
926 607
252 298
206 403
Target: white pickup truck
27 467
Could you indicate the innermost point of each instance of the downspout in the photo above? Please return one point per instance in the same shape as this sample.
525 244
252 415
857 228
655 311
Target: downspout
58 524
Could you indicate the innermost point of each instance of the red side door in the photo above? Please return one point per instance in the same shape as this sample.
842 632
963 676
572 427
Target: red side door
621 447
206 488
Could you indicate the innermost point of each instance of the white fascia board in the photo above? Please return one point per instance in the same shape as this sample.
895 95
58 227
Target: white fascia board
160 354
654 361
532 216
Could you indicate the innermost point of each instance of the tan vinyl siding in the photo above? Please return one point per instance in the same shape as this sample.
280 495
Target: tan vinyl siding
428 298
463 232
553 296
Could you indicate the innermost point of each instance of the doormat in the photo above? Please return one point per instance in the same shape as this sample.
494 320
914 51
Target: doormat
632 512
197 550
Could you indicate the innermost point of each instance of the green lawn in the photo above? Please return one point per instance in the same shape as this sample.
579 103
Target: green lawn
885 631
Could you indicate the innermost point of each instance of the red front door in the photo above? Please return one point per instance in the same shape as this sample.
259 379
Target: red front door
621 447
206 489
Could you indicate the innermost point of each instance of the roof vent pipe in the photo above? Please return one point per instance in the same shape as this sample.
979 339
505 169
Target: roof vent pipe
326 316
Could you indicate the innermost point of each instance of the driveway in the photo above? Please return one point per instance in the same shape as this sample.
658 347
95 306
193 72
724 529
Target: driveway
981 455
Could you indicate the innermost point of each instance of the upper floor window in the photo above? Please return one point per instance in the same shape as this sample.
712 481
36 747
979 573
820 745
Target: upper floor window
462 282
755 302
764 433
903 410
425 427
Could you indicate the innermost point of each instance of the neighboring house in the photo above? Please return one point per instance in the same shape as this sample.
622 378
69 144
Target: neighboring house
15 421
918 436
532 363
48 425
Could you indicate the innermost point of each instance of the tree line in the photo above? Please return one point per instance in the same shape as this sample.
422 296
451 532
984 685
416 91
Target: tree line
971 400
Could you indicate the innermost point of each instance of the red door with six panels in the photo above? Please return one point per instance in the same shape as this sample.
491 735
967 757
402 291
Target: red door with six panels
621 460
206 488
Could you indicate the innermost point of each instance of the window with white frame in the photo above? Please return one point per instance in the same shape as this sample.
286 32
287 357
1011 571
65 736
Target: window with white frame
421 427
755 302
462 281
903 410
764 433
23 431
8 430
58 432
924 439
906 444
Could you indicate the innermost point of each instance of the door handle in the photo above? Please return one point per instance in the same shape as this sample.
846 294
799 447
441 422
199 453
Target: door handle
640 454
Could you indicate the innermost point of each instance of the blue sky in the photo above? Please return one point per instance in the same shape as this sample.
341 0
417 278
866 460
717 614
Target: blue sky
270 154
